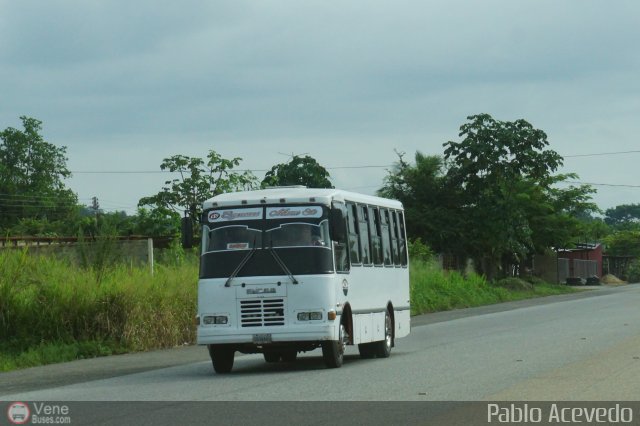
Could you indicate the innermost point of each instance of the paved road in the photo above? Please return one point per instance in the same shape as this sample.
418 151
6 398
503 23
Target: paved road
578 347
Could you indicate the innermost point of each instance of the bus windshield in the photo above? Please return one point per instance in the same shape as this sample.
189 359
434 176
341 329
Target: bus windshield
233 237
298 235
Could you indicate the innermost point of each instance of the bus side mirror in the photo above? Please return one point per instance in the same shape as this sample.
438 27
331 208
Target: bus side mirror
337 224
187 232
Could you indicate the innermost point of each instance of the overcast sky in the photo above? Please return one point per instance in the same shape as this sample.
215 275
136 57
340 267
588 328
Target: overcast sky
124 84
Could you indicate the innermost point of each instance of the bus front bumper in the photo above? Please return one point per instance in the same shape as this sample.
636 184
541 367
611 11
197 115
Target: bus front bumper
264 335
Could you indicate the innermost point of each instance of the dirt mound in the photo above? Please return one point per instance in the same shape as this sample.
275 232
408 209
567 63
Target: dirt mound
612 279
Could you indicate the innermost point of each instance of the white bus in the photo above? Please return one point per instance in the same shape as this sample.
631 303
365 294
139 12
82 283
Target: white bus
290 269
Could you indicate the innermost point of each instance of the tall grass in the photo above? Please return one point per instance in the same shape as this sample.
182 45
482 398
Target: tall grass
433 289
47 302
52 310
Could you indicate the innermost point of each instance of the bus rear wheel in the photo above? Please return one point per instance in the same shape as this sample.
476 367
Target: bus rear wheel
382 348
221 358
290 355
333 350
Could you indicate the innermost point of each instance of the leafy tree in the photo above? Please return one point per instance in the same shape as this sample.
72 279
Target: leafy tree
624 243
32 173
505 174
157 222
198 180
299 171
624 216
431 205
593 229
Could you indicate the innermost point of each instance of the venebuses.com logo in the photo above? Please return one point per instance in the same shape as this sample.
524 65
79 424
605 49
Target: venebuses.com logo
18 413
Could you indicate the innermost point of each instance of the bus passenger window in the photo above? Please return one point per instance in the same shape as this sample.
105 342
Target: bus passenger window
403 240
376 239
365 244
386 237
394 239
352 227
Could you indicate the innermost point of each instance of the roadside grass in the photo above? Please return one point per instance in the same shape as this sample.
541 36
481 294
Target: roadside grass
52 310
433 289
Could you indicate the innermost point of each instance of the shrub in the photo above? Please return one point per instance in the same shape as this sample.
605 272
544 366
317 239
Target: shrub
419 251
514 283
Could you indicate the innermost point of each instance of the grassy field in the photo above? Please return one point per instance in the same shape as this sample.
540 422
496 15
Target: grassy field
433 289
52 311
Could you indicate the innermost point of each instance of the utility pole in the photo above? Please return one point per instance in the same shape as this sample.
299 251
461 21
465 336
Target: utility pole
95 206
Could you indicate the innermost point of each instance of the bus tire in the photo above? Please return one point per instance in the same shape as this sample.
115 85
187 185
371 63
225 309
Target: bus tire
382 348
289 356
333 350
271 356
367 350
221 358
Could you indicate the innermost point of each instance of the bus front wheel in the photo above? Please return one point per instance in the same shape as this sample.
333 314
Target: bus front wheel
221 358
333 350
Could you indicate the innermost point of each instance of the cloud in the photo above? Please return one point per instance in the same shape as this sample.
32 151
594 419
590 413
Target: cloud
133 82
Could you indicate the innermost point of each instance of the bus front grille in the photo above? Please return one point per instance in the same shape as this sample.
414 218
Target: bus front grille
261 312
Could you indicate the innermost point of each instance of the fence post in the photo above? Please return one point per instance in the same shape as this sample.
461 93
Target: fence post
150 253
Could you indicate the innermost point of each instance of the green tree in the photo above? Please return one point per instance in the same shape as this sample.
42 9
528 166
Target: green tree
32 173
431 205
157 222
198 180
299 171
624 216
512 207
624 243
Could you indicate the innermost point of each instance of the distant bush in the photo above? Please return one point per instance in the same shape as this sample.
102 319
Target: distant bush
433 289
533 280
634 271
514 283
419 250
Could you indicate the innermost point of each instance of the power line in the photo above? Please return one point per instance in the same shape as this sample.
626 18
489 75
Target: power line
234 170
602 153
372 166
55 197
602 184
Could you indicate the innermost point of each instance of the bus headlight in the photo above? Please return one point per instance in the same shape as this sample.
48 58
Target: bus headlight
215 319
315 316
309 316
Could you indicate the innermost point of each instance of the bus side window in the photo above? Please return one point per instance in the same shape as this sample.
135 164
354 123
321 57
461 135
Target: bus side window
376 239
386 237
340 245
394 238
403 240
365 243
352 227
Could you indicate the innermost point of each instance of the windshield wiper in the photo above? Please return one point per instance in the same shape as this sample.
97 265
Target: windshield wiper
243 262
281 263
